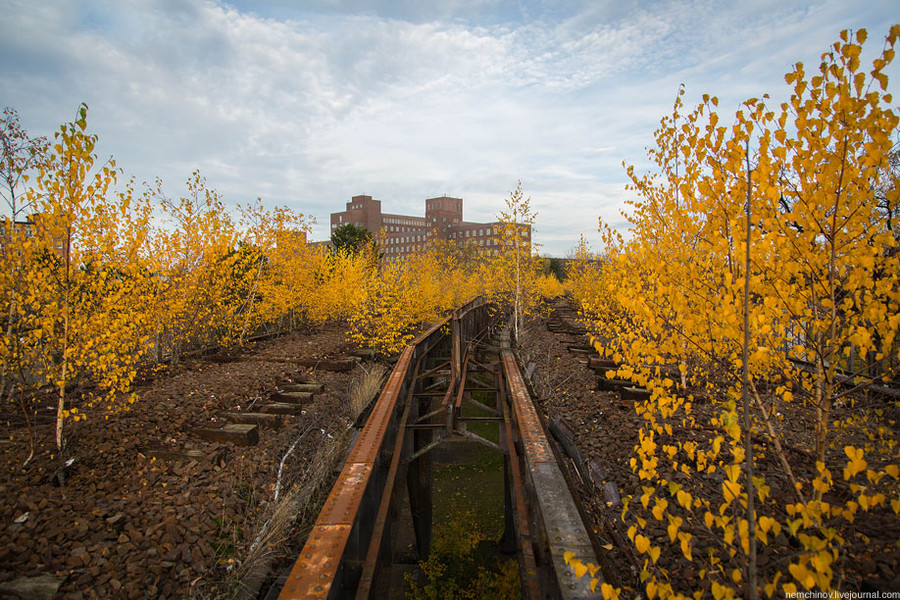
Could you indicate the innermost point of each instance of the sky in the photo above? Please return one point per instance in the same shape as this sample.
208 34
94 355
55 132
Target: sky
308 103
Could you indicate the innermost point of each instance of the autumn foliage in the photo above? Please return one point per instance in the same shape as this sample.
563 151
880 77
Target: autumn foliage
101 280
806 191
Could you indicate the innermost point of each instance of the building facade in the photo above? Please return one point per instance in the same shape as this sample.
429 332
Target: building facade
401 235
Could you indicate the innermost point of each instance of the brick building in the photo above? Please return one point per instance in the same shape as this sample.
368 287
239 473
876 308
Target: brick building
29 228
400 235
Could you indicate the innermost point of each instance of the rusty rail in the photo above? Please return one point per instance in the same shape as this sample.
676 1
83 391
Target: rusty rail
557 527
350 548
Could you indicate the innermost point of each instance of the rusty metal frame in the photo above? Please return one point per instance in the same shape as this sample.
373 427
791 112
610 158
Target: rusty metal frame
558 525
343 547
347 546
367 578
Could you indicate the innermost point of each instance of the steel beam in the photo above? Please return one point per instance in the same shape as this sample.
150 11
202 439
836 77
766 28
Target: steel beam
556 517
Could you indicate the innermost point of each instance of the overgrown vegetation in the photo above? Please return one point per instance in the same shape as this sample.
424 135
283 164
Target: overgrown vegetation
788 213
99 280
463 563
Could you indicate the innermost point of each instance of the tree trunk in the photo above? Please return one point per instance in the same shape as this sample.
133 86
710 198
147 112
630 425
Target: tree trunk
518 291
61 402
752 592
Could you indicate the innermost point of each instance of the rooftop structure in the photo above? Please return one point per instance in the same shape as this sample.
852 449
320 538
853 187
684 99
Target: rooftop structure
400 235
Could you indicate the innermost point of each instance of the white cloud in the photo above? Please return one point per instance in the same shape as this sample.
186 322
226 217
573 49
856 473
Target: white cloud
401 100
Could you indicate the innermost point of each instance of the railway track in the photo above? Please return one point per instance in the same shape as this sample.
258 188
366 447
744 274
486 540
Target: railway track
466 359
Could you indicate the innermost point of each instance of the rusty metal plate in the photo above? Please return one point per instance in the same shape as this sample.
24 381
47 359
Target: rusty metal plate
343 502
570 586
560 519
314 572
368 445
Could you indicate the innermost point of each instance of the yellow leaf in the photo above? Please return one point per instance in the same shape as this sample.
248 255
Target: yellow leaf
659 509
802 575
609 592
856 462
580 569
730 490
672 529
641 543
718 590
685 545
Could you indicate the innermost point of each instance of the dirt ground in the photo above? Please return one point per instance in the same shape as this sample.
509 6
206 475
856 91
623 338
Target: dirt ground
137 517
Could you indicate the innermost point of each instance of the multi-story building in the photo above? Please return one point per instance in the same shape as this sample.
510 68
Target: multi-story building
29 228
400 235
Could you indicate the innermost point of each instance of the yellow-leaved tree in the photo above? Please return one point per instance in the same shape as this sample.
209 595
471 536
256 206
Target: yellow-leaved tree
764 267
271 279
87 284
511 273
20 158
196 252
407 295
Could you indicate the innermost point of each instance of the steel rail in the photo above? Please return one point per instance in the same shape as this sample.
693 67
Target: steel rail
558 522
367 579
335 554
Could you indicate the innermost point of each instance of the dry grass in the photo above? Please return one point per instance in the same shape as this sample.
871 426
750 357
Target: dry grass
304 485
303 494
364 387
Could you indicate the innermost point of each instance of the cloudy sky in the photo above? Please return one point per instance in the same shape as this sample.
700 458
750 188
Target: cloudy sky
307 103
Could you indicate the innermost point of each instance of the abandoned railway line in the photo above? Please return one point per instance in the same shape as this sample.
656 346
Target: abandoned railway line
192 492
349 551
